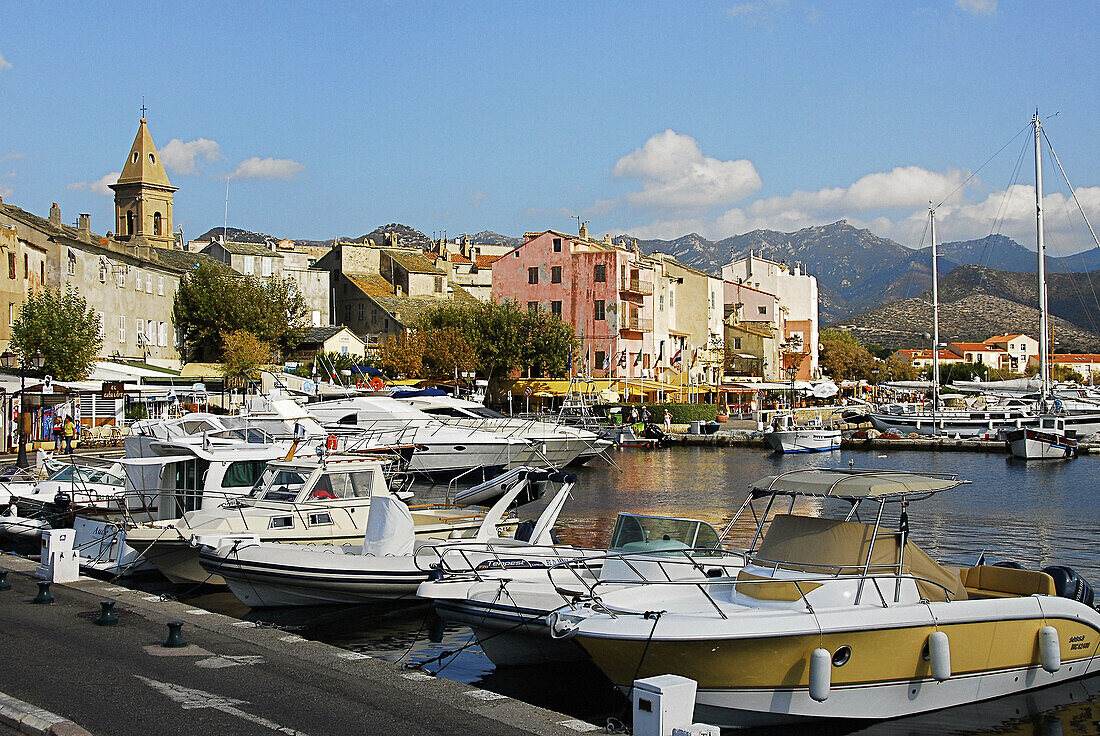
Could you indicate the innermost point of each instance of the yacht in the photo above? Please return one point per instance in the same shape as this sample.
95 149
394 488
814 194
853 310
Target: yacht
305 500
836 618
785 435
549 443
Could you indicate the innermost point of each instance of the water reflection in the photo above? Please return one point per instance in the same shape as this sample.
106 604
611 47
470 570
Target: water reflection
1035 514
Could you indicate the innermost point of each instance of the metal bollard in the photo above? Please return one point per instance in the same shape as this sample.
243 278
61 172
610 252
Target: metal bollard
107 617
5 584
44 595
175 638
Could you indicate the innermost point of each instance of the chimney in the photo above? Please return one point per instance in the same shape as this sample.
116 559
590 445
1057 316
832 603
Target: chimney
607 238
584 230
55 215
83 227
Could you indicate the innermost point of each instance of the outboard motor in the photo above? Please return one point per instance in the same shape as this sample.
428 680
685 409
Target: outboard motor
1069 584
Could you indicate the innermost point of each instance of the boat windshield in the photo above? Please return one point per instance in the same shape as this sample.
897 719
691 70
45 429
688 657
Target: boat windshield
73 474
635 533
354 484
285 485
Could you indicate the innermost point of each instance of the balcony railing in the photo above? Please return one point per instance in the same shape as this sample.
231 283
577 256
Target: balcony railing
637 286
634 323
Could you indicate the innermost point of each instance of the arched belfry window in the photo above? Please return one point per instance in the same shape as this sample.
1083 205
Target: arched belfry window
156 223
130 222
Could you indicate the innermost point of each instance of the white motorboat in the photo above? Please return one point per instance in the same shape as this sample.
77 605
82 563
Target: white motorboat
313 500
838 619
785 435
555 444
1050 440
384 565
506 601
440 449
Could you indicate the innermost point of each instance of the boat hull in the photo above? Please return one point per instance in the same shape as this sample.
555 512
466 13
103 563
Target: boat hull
803 440
746 680
1033 444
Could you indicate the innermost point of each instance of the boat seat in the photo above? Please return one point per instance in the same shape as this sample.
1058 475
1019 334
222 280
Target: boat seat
990 581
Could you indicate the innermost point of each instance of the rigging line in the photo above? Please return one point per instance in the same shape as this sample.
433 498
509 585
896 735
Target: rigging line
1002 209
975 172
1072 276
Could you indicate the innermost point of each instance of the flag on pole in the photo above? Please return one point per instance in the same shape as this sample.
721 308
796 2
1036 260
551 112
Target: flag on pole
676 357
638 360
607 359
622 360
660 354
694 357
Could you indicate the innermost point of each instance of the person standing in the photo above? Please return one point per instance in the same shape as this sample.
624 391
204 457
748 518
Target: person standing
668 420
70 434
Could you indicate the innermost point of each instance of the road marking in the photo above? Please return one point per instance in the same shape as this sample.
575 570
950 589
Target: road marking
579 725
221 661
417 676
292 639
199 612
191 650
193 699
244 623
353 655
485 695
153 598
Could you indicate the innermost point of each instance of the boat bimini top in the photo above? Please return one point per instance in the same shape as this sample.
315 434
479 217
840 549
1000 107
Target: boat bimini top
856 484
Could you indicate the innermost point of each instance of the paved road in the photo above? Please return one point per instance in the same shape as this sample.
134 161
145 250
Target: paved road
232 679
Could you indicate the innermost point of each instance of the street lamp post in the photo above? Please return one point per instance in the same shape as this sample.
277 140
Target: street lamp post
9 360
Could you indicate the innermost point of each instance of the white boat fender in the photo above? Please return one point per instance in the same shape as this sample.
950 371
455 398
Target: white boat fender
939 653
560 627
821 674
1050 650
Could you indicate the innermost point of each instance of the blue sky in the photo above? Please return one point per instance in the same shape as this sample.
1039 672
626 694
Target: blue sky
655 118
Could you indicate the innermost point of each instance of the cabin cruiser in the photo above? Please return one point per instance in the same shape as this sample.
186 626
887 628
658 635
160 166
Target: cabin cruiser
440 449
383 565
550 443
506 602
72 487
966 421
841 619
304 500
785 434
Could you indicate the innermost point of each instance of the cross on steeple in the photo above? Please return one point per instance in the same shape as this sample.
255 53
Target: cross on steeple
143 106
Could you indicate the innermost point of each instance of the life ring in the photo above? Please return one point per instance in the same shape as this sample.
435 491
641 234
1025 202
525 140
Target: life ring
330 442
377 384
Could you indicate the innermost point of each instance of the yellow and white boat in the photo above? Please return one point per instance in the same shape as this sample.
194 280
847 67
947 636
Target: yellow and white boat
836 618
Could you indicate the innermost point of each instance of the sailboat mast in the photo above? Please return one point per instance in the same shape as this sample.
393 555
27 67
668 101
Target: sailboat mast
1044 328
935 318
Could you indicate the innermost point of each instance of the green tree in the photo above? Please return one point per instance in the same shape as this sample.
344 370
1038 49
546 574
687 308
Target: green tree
59 324
446 351
243 353
213 301
843 358
403 356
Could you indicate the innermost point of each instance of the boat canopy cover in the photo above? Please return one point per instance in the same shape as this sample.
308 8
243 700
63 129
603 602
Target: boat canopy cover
815 545
408 394
854 484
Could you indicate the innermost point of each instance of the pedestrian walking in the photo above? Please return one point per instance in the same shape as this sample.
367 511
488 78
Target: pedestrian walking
633 415
70 433
645 415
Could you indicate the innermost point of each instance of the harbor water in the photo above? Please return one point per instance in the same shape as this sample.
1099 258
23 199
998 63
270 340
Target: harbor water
1035 514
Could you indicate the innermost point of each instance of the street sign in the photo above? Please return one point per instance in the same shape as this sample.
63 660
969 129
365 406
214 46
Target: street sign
235 382
527 391
112 390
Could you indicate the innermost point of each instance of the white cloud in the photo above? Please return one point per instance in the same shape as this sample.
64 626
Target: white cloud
99 186
6 192
756 10
12 157
267 168
977 7
478 197
675 174
5 64
180 156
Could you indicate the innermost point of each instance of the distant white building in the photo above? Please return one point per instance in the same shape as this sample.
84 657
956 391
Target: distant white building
797 297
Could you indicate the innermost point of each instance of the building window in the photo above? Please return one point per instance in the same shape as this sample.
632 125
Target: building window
762 309
250 265
156 217
160 286
361 309
598 310
265 267
347 313
533 275
661 303
148 283
42 271
600 356
72 263
374 316
737 343
712 300
671 298
162 337
11 313
555 308
532 307
122 328
11 265
137 280
557 245
555 274
600 274
130 222
139 329
26 264
438 284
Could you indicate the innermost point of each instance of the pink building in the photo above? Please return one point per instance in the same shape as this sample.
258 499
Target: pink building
605 291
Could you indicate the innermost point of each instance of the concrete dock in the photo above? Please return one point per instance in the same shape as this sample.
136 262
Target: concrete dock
233 677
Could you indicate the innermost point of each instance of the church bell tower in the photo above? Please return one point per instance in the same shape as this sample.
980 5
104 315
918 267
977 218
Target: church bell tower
143 195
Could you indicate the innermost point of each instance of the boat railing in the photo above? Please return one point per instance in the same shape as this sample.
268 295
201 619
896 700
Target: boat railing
475 558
